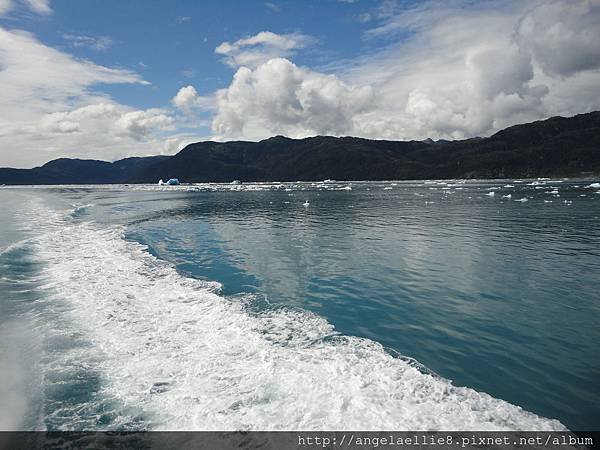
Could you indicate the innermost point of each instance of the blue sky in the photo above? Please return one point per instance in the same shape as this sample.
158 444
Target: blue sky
107 79
172 44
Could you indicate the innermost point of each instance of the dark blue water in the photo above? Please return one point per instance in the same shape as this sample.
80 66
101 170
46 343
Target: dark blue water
493 293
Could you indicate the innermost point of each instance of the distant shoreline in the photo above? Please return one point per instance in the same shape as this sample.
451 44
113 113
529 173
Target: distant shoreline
554 148
589 178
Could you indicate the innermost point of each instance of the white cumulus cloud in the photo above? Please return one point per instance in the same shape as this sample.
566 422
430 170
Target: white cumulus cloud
278 97
5 6
189 101
255 50
39 6
139 124
100 43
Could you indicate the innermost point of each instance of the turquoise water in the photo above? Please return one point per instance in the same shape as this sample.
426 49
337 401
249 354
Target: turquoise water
274 286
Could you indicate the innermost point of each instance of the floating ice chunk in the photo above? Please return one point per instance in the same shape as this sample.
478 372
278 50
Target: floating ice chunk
387 188
524 199
593 186
507 196
160 387
491 194
347 188
306 204
173 182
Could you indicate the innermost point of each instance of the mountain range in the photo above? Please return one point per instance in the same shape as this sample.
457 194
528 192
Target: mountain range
555 147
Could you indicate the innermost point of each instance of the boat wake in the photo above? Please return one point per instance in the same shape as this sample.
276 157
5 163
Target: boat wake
158 350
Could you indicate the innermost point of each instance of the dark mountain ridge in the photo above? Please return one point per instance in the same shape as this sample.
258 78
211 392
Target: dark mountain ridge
559 147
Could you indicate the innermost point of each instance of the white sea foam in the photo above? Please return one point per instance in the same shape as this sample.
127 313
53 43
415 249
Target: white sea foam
191 359
13 246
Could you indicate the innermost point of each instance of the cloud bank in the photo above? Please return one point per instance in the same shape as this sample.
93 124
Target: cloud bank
49 107
462 73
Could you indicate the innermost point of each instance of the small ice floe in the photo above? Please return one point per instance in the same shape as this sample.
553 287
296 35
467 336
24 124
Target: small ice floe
507 196
429 203
547 201
387 188
306 204
568 202
170 182
555 191
582 195
160 386
328 181
236 182
509 186
523 200
593 186
347 188
491 194
394 184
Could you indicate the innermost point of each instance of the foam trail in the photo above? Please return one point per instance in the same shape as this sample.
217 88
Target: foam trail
191 359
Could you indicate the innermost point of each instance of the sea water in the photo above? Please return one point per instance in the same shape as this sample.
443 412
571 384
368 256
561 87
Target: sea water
339 305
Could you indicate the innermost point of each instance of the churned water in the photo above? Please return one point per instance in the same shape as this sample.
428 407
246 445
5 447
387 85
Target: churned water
380 305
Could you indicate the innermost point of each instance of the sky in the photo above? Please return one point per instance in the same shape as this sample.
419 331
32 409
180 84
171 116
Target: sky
107 79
